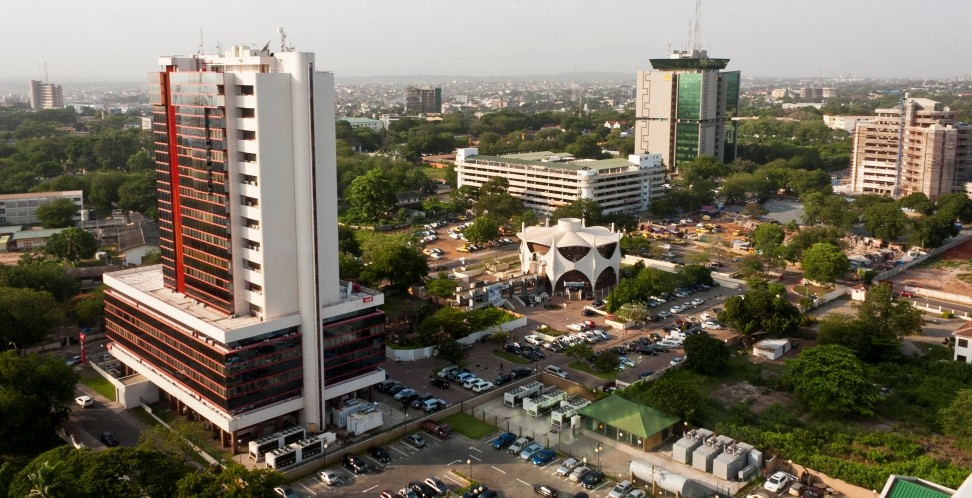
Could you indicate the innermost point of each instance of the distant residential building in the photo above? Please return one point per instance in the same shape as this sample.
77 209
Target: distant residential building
546 181
963 344
846 123
685 108
45 95
371 124
138 239
797 105
21 209
778 93
423 100
917 147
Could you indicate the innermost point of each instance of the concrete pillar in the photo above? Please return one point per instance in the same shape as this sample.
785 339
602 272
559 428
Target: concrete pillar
233 442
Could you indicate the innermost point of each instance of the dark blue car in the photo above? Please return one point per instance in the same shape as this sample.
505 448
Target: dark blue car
543 457
504 440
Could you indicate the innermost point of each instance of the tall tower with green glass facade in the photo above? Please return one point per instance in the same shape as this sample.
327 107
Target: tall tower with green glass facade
685 108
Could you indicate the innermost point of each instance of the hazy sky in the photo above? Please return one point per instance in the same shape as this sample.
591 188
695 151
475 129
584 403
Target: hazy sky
121 39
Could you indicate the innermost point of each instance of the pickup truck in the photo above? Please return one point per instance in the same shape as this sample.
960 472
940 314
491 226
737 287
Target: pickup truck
440 430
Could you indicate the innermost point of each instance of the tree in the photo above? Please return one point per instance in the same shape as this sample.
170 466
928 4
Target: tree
635 311
955 206
58 213
482 229
443 288
72 244
103 189
830 380
676 393
175 441
235 481
585 209
579 351
607 361
371 196
26 315
452 351
929 232
824 262
885 220
401 265
348 241
754 210
917 202
139 193
761 309
89 308
46 276
585 147
768 243
954 420
36 392
808 236
706 354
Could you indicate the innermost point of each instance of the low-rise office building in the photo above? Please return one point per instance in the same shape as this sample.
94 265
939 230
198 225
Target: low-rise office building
545 181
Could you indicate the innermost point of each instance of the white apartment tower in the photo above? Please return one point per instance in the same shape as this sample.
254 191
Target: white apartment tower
44 95
245 322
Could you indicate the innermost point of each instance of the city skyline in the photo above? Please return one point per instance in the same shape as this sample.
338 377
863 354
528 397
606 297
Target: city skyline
502 38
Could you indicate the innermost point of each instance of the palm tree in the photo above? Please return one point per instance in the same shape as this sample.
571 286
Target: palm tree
46 481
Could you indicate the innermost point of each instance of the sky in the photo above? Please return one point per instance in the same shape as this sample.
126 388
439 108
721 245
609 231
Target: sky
121 40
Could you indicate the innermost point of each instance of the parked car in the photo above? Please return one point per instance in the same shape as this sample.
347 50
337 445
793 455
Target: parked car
482 386
385 385
444 373
578 473
84 401
676 360
436 484
421 489
543 457
504 440
533 339
554 369
433 405
528 452
440 383
354 464
417 441
109 439
777 482
520 372
711 324
284 491
637 493
813 492
379 453
620 490
545 490
420 400
72 361
502 379
401 395
329 477
520 443
567 467
592 479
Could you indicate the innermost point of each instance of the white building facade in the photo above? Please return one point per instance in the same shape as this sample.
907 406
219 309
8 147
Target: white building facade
237 322
21 209
545 181
571 256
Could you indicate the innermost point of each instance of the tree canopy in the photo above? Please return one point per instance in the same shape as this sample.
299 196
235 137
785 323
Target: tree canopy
36 391
875 332
824 262
830 380
58 213
72 244
706 354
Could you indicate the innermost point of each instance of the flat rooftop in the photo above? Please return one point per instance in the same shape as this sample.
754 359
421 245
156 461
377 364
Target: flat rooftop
537 159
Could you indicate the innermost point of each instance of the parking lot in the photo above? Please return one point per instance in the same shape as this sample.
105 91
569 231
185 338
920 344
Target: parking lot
497 469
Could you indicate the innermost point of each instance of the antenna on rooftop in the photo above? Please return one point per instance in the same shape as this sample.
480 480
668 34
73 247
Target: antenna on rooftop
46 79
201 49
697 28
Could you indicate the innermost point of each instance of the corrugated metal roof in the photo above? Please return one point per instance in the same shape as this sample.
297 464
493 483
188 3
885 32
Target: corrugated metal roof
907 489
628 416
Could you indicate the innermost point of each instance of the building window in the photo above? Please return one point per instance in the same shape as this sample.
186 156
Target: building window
250 265
248 223
248 180
245 89
248 157
220 90
963 343
961 358
247 135
247 112
251 244
252 287
249 201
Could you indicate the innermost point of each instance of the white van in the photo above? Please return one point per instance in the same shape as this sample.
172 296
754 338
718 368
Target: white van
554 369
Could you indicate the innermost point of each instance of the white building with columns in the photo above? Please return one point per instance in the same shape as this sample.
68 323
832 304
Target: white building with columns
572 256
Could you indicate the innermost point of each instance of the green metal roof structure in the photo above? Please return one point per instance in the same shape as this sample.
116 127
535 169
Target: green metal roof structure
688 64
630 417
905 487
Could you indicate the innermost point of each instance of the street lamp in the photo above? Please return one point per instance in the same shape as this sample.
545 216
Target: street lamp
469 461
325 452
597 451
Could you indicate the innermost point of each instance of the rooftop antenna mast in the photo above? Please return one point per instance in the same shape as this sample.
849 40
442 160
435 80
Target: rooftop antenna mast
46 79
201 49
283 40
697 28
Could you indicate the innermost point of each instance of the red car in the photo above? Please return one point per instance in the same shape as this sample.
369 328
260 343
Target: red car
906 294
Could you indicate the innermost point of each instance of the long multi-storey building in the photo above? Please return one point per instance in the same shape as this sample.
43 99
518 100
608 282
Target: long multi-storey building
423 100
685 108
545 181
44 95
245 323
21 209
916 147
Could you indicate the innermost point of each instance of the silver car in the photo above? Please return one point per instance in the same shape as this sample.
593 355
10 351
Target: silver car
568 466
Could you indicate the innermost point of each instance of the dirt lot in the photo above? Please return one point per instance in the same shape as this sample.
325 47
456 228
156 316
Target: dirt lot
944 275
757 398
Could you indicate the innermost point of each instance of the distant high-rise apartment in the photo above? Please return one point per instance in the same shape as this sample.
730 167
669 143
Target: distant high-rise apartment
245 323
423 100
916 147
45 95
685 108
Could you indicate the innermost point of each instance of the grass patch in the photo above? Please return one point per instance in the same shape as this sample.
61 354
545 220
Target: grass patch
551 331
437 173
934 352
469 426
510 357
584 367
144 416
97 383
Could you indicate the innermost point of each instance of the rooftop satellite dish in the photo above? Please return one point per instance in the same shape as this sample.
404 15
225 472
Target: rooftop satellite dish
266 49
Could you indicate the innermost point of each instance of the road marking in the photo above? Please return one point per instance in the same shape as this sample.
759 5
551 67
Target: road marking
451 479
309 490
433 437
524 482
398 450
475 449
477 459
369 489
551 463
503 471
454 462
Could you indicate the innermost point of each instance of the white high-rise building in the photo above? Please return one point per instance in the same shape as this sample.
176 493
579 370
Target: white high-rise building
245 322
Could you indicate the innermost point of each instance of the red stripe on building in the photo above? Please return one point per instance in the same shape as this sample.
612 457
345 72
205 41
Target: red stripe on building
176 201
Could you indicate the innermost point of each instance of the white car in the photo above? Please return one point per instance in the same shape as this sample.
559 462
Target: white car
636 493
626 361
705 316
471 381
777 482
482 387
567 467
664 314
84 401
620 490
676 360
676 309
667 247
697 302
329 477
436 255
711 325
576 327
533 339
